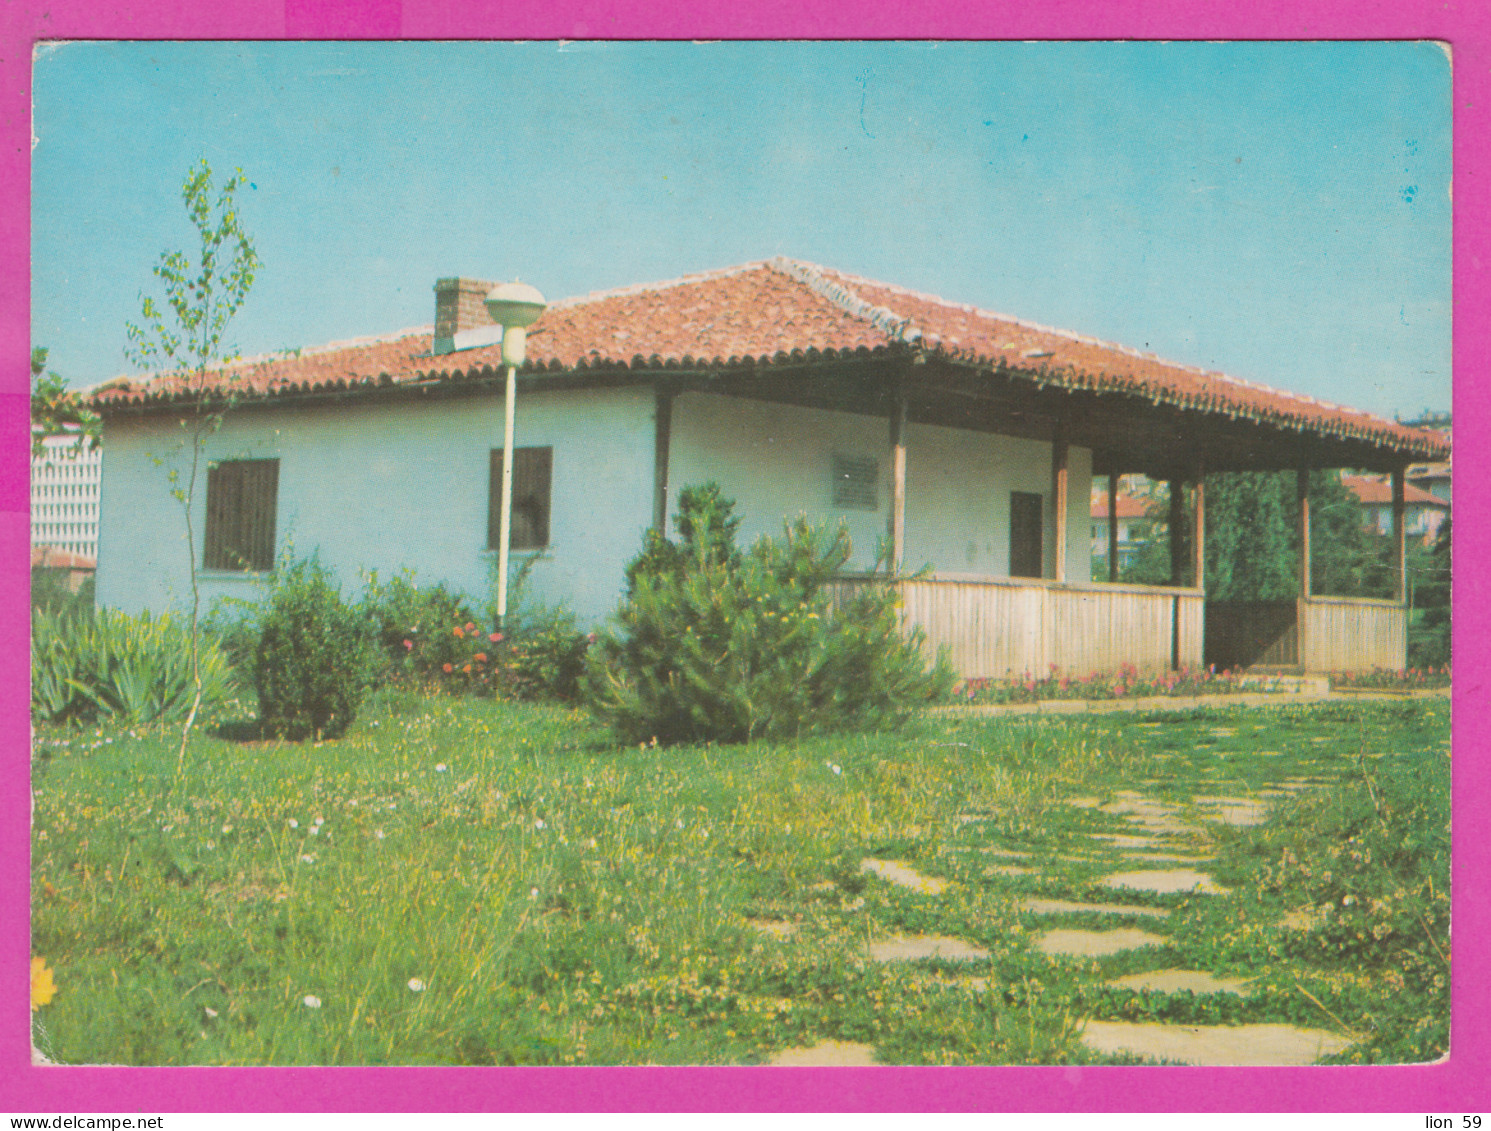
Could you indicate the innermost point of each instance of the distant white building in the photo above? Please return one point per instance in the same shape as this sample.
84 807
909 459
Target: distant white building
64 497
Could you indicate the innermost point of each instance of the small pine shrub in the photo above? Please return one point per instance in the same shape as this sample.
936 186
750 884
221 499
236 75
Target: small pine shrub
317 655
89 664
713 644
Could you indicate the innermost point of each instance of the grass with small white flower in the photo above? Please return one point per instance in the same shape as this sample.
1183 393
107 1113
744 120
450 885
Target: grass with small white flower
467 881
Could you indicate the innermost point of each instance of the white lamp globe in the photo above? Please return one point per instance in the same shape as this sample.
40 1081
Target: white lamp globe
514 306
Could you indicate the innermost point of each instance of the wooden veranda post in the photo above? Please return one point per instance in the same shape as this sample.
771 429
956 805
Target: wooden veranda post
1113 526
1198 528
1400 536
1059 482
1302 494
1301 614
898 481
1177 546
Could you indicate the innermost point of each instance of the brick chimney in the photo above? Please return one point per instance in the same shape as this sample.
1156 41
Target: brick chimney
460 306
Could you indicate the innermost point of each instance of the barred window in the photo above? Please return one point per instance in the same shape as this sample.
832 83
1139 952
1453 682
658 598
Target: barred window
532 473
856 483
241 496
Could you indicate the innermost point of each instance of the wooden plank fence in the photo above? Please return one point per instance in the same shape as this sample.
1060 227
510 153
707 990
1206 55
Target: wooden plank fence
1007 627
1352 634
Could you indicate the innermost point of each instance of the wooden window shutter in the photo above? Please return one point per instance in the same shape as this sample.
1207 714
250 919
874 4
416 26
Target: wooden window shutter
855 479
532 476
241 499
1027 518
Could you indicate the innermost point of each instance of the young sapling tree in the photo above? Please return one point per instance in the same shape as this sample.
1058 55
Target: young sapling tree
183 342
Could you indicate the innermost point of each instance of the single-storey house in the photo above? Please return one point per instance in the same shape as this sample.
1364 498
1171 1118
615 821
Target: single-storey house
962 441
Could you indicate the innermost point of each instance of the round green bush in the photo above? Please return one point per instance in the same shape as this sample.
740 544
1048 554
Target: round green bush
316 658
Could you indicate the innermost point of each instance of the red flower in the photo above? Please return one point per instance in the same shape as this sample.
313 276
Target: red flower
470 627
448 669
482 656
458 632
495 638
467 669
408 645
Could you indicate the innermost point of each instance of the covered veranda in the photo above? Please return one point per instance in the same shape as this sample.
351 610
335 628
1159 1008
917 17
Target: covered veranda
1003 626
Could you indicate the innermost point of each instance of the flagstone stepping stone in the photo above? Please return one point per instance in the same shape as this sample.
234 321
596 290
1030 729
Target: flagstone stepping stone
1165 880
909 948
897 873
1094 944
1148 858
1153 816
1084 802
1214 1044
1173 981
1069 907
776 928
1010 870
1124 840
826 1054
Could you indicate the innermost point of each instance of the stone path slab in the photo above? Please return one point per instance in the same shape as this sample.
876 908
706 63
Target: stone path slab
1166 881
912 947
1094 944
895 872
1214 1044
1148 858
1071 907
1174 981
1239 811
826 1054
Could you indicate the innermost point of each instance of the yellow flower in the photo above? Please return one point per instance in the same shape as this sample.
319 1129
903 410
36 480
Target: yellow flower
43 989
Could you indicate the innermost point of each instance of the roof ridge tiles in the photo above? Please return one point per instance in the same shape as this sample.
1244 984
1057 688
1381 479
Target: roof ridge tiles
883 319
1092 340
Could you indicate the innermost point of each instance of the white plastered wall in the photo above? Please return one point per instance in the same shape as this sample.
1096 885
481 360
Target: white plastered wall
776 461
387 487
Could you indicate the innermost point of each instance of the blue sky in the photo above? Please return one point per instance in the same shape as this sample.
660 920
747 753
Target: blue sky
1280 212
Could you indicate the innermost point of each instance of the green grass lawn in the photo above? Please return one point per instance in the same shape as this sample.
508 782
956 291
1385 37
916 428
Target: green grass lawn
464 881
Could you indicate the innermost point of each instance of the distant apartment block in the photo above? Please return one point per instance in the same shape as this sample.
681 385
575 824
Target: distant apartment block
64 497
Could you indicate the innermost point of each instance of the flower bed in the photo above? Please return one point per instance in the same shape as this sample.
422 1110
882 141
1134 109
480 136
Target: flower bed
1126 683
1386 679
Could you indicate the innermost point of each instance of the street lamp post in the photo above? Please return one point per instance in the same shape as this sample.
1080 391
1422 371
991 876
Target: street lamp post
513 306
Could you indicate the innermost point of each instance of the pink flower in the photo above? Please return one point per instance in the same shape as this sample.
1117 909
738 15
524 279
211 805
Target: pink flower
495 638
408 645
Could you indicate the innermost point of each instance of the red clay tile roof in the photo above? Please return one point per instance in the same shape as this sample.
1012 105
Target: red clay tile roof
51 557
786 311
1376 492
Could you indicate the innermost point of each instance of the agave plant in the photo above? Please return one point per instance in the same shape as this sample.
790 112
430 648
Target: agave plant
91 664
